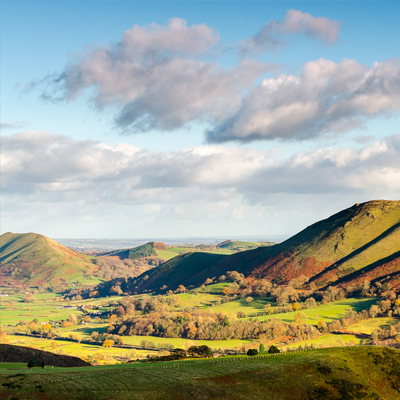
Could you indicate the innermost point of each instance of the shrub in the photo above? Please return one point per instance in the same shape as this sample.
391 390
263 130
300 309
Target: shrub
273 349
252 352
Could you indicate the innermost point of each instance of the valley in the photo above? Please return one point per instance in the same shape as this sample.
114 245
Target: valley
331 289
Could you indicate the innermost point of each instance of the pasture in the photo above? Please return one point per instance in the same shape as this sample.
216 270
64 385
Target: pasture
324 373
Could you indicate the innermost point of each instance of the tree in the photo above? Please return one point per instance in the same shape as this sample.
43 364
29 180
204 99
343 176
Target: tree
72 318
262 348
252 352
181 289
28 298
273 349
295 306
249 299
120 311
199 351
108 343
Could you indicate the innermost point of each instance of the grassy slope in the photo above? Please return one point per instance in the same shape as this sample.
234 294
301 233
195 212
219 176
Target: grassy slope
360 242
19 354
39 260
176 251
237 245
186 269
338 373
364 235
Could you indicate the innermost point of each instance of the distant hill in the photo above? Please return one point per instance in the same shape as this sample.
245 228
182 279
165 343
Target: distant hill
361 242
186 269
145 250
237 245
33 259
20 354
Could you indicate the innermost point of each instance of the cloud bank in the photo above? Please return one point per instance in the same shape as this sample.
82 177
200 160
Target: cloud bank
70 170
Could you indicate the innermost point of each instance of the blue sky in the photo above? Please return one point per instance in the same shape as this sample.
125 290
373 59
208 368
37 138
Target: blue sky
206 119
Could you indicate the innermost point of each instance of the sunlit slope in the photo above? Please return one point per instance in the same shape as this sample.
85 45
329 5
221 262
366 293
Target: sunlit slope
365 235
34 259
186 269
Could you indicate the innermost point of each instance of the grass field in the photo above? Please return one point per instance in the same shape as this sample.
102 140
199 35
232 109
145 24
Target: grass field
175 251
233 307
76 349
330 340
369 325
339 373
327 312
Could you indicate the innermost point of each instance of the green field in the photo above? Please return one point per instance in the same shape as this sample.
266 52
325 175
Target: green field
327 312
330 340
233 307
369 325
175 251
76 349
332 374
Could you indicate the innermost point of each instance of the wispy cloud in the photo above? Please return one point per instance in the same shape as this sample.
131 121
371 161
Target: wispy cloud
274 33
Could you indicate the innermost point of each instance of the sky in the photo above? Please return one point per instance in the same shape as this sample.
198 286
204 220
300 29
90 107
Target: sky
132 119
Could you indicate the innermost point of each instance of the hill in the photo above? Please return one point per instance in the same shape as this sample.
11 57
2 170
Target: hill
19 354
237 245
364 372
33 259
186 269
361 242
135 253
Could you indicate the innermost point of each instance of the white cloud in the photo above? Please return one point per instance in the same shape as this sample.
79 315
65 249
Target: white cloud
156 78
326 98
295 22
55 168
53 184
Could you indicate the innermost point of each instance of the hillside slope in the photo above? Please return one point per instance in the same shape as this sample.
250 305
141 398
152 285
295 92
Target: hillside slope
34 259
362 238
361 242
135 253
186 269
21 354
348 373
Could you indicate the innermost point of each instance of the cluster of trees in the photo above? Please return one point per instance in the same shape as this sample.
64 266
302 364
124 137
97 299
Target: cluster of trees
102 338
207 326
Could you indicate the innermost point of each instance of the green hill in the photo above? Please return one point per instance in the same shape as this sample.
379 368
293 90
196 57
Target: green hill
33 259
347 373
150 249
237 245
186 269
361 242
